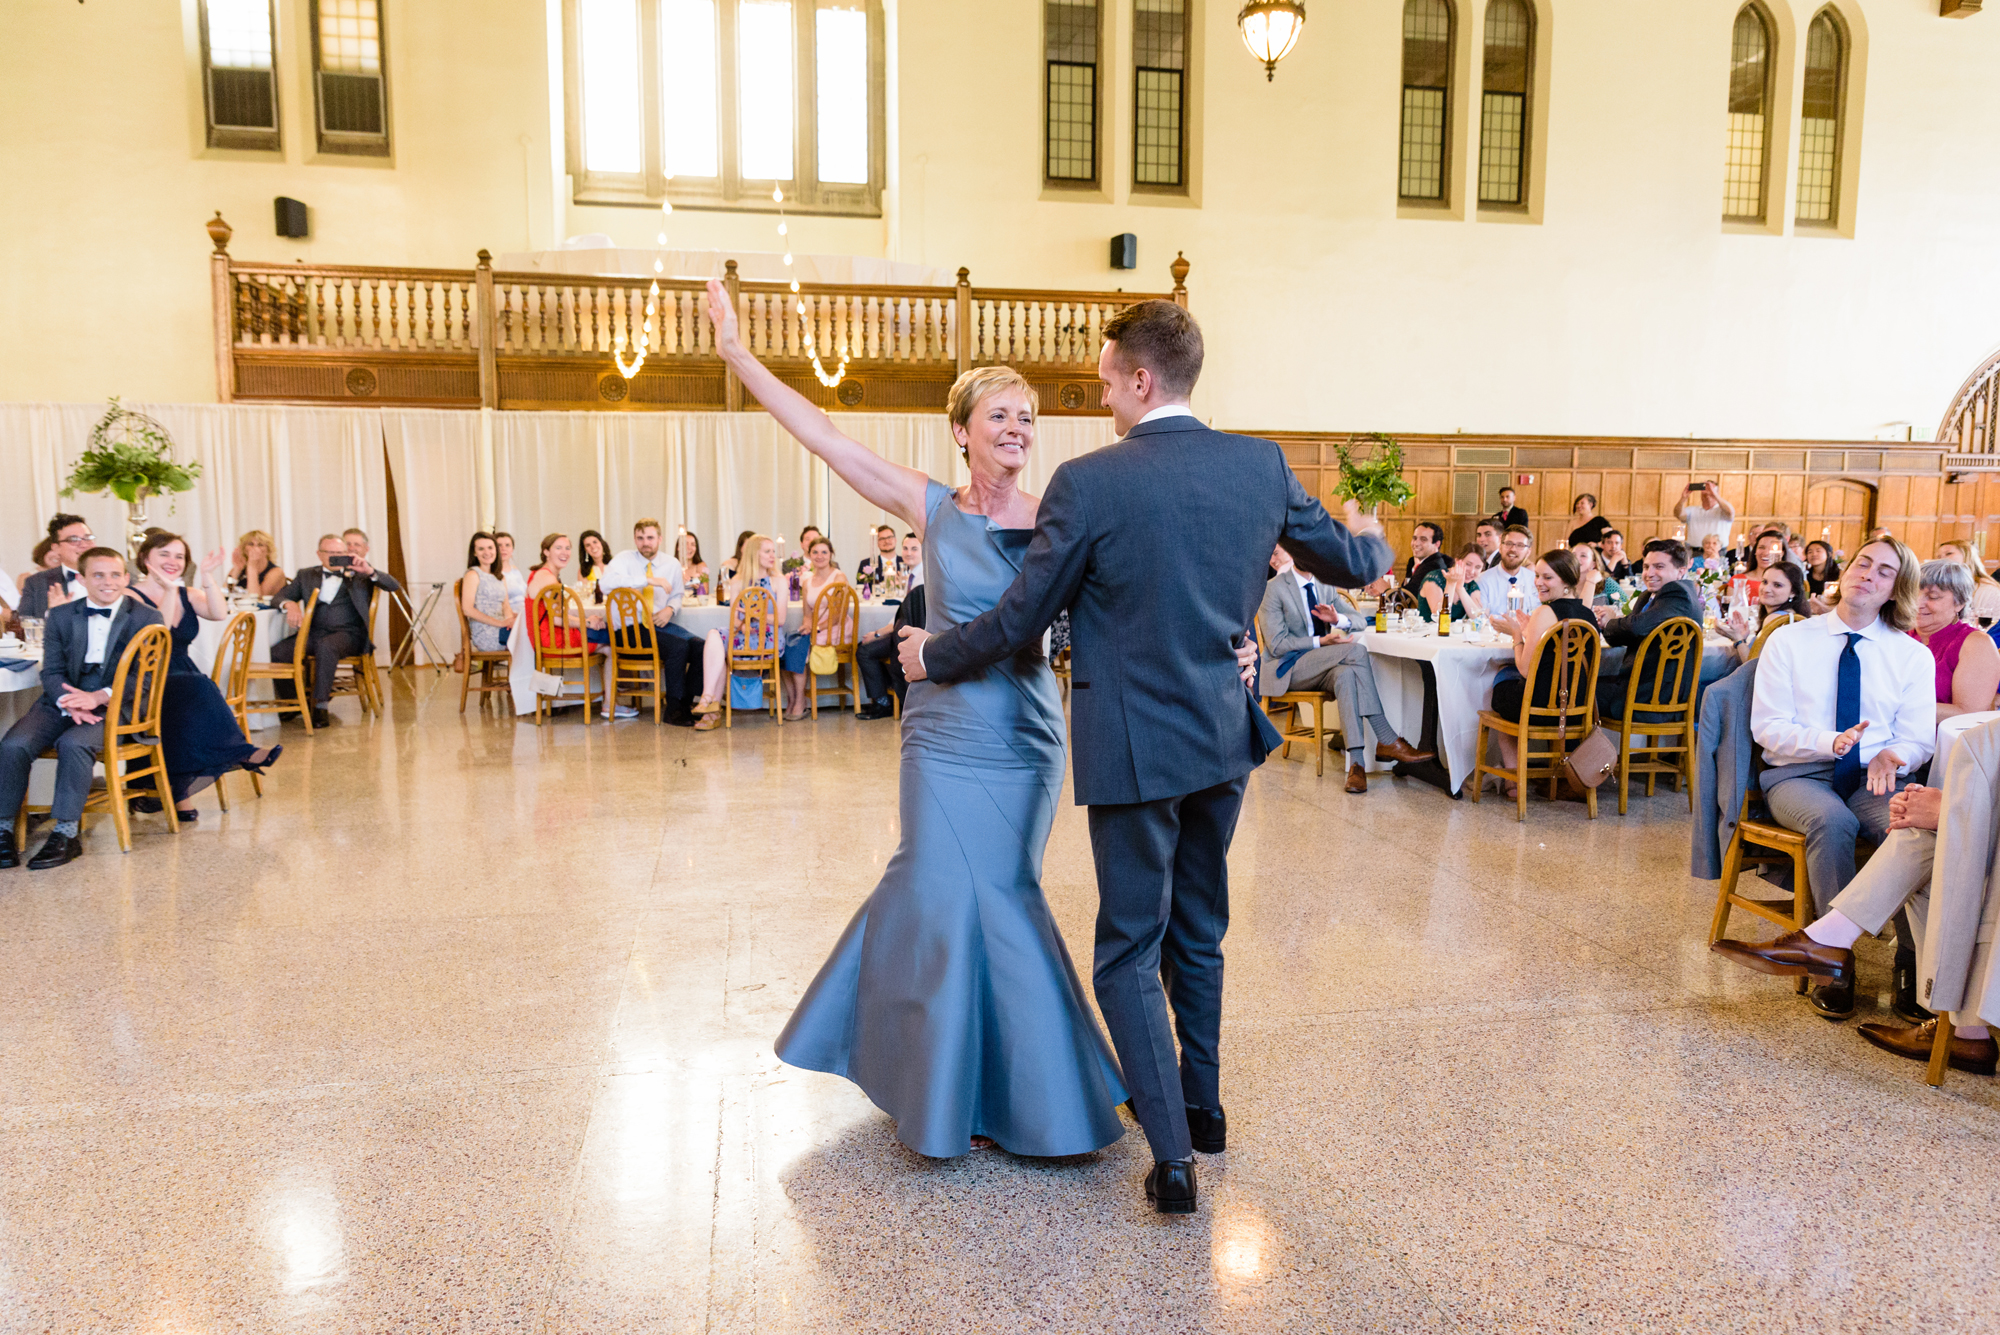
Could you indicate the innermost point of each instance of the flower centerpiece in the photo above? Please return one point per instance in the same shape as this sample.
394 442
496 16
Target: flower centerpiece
131 456
1377 481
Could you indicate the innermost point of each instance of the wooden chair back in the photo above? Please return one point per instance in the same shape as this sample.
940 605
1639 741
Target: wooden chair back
1566 657
1771 623
837 625
550 618
232 678
132 730
490 664
295 671
634 664
1673 651
756 629
1403 599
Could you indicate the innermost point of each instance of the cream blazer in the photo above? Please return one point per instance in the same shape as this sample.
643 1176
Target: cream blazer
1956 969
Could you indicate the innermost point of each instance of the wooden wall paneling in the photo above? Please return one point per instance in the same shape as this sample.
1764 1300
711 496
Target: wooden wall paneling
1893 496
1616 493
1791 495
1762 492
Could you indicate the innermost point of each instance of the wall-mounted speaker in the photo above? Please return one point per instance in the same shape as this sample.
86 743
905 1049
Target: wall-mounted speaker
1125 251
291 217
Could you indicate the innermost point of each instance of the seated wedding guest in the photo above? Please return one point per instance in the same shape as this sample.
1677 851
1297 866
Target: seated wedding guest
1426 553
1510 586
1612 558
1509 514
1309 633
1590 525
62 580
1783 589
645 566
340 622
881 668
1555 576
1768 550
1984 605
729 566
821 574
757 557
1456 586
1702 511
81 645
1486 537
198 730
47 556
1843 704
1821 569
1663 570
1899 878
694 570
911 553
253 569
1712 556
356 543
1968 666
885 560
514 580
483 597
592 555
807 537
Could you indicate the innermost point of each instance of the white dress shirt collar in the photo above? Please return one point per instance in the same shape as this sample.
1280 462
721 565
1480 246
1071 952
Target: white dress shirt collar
97 631
1166 410
330 584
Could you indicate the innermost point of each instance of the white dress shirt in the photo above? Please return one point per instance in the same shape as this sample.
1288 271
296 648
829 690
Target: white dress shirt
629 570
97 630
1318 628
1798 677
1167 410
330 586
1699 523
1495 583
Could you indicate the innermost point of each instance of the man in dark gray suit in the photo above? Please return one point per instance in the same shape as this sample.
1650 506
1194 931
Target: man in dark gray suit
1158 547
81 645
345 584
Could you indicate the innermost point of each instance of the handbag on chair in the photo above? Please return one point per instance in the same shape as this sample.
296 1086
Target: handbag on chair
822 661
1594 760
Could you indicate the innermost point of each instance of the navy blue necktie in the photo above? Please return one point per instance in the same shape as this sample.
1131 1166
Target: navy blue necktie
1311 603
1847 769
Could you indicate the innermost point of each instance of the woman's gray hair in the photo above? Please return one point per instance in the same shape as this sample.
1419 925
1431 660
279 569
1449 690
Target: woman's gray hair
1951 576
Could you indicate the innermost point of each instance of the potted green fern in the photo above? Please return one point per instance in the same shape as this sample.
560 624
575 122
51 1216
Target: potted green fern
130 456
1376 481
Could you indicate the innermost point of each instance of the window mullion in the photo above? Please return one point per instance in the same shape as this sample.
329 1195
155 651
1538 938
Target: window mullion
726 93
805 99
651 151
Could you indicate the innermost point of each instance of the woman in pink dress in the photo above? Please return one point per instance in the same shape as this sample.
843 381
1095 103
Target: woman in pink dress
1968 664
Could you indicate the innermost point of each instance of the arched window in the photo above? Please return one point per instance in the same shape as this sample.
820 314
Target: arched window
1503 105
1749 117
1427 38
1819 125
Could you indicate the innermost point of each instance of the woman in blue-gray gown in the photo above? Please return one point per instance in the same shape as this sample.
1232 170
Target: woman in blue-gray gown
950 998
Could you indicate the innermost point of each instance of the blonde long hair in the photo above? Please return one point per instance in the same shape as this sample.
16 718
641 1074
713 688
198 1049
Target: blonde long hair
746 563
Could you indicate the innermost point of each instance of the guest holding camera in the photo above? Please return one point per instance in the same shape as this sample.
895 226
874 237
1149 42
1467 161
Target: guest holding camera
345 584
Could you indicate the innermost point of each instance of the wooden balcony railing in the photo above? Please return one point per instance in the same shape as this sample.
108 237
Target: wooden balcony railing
472 337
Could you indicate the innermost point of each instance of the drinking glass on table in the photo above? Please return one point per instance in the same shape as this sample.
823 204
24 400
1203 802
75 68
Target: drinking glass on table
31 632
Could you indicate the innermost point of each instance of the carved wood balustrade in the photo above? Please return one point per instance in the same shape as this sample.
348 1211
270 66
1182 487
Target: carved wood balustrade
465 338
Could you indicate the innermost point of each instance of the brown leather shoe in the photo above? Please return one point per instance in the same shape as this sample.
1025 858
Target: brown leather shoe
1792 955
1978 1055
1357 779
1400 752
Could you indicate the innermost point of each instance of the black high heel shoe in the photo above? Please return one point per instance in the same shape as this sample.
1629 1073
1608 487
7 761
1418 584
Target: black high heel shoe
269 761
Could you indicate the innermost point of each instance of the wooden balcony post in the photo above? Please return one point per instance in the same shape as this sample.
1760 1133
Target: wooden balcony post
1179 269
489 333
223 294
964 320
732 388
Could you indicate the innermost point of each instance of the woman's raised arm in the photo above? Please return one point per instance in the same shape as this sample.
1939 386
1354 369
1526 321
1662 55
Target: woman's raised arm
894 488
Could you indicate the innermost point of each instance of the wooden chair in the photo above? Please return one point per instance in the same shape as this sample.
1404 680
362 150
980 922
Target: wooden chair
1779 843
232 677
632 666
1668 707
1568 717
131 734
549 618
296 672
1771 623
837 606
355 674
1400 599
482 661
1291 726
753 618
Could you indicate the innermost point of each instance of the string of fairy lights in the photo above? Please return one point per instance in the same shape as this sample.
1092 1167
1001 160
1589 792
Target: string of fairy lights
643 343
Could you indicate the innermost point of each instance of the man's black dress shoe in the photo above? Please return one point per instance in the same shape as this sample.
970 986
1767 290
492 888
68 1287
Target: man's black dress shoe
145 806
874 711
1833 1001
1170 1186
1207 1129
59 849
322 719
1905 1005
8 857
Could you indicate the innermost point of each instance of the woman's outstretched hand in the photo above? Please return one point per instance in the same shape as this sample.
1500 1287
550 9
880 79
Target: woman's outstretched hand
722 315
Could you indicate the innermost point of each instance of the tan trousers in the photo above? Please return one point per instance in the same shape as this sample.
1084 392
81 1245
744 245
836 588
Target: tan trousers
1897 876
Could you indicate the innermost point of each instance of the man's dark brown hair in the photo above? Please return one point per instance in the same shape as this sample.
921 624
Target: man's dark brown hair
1161 337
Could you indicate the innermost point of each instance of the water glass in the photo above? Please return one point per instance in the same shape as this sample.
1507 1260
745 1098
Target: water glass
31 632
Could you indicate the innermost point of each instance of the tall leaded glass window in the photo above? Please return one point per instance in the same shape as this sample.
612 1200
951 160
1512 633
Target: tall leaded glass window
1749 117
1503 102
1159 92
1071 40
1427 35
1819 123
237 74
348 77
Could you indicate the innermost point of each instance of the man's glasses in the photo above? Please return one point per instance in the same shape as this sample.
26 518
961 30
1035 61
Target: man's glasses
83 541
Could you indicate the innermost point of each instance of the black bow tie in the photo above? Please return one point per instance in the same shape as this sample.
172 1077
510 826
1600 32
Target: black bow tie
99 611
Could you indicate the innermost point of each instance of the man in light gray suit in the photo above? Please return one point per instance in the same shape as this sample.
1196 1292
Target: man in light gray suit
1309 639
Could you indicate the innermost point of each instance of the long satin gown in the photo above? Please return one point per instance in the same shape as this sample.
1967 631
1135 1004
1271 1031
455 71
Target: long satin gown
950 998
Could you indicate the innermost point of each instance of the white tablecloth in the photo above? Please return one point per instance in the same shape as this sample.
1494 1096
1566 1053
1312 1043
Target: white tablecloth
270 627
699 621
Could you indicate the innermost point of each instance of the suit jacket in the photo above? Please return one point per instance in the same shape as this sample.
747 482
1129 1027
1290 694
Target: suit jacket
306 583
1672 600
1415 570
65 640
909 612
1508 517
878 567
1287 636
1956 969
1158 709
35 592
1724 758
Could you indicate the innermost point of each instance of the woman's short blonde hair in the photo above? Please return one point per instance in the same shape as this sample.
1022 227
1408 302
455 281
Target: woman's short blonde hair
257 537
970 389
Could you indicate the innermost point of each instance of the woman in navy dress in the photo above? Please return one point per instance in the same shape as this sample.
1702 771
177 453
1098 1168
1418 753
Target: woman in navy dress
198 729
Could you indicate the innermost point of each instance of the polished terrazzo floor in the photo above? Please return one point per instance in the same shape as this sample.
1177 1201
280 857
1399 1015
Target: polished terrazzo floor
466 1026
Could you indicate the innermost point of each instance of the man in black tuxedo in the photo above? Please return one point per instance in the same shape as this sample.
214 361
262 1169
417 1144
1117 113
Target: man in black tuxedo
340 622
82 642
70 539
881 673
1426 553
1669 594
1165 732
